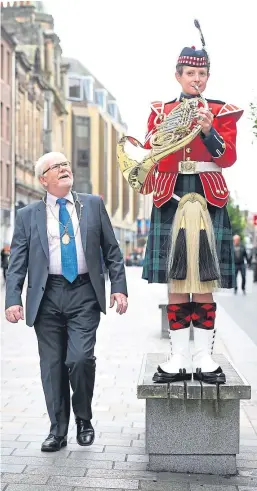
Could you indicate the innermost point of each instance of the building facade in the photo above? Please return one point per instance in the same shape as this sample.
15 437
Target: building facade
29 117
96 128
42 117
7 133
61 106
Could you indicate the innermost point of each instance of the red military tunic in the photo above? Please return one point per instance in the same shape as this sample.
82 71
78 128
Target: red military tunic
218 147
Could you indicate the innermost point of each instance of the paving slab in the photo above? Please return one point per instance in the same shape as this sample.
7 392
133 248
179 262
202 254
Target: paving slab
24 478
95 482
118 454
37 487
199 487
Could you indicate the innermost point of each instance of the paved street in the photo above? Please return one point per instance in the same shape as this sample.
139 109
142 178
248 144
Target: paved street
242 308
117 460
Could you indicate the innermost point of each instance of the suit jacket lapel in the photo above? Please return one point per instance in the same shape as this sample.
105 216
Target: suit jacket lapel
80 204
42 227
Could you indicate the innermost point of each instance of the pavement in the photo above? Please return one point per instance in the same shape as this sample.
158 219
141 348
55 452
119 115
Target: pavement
242 308
117 460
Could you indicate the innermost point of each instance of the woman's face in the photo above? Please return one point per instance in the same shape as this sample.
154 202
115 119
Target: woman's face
192 76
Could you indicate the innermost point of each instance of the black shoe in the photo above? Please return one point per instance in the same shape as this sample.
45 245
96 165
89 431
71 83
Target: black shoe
216 377
162 377
53 443
85 432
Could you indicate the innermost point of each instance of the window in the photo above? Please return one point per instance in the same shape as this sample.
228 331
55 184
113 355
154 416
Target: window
8 67
106 161
2 61
1 179
21 116
100 97
31 134
75 88
2 120
47 114
8 135
117 166
62 82
36 138
62 133
83 158
46 58
88 92
112 109
56 68
115 176
8 181
81 88
82 125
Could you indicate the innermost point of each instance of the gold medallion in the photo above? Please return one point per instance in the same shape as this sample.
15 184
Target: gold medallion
65 239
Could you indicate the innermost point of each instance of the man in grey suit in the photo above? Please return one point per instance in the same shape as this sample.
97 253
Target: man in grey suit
57 241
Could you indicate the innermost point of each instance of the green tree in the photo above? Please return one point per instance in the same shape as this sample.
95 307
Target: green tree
253 109
237 219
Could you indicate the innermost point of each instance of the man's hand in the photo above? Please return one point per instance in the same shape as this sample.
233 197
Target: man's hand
205 119
14 313
122 303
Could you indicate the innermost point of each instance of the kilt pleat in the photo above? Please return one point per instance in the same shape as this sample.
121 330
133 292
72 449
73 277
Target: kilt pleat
154 269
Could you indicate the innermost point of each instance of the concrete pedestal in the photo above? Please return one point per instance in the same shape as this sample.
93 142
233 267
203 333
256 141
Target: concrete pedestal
191 426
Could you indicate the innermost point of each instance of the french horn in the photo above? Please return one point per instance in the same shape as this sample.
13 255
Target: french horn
173 132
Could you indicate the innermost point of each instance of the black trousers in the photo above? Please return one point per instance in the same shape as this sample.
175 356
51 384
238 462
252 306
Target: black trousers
241 268
65 326
255 273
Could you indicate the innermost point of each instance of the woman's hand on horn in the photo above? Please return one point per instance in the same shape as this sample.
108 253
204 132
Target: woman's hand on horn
205 120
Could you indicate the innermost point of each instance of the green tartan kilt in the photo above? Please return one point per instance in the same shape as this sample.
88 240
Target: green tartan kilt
154 269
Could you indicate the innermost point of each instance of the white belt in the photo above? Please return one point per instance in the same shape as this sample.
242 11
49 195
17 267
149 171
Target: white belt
195 167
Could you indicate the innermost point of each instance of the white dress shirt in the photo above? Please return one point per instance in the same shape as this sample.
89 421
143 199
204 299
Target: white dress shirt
53 233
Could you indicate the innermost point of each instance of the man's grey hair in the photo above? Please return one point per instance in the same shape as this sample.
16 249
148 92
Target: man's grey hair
47 157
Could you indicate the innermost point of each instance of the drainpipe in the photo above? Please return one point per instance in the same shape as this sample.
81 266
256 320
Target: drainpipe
13 144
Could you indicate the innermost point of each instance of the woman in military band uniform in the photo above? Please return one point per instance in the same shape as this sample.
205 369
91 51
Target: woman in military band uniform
190 240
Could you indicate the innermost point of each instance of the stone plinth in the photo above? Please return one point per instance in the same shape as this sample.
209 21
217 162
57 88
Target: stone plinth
192 426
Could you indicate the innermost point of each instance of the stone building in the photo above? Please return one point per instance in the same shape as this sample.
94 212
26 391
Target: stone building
7 132
96 128
42 116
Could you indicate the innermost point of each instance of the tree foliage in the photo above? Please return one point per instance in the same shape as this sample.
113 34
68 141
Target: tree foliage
253 109
236 217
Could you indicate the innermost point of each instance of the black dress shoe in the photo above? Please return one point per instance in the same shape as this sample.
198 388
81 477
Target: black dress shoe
162 377
85 432
216 377
53 443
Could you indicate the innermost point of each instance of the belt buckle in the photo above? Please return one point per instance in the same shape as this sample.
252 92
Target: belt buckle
187 167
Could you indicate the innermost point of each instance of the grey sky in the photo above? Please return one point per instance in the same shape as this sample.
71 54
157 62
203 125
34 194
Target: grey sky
132 49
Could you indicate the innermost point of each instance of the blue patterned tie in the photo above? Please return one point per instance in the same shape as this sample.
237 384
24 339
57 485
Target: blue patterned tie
68 251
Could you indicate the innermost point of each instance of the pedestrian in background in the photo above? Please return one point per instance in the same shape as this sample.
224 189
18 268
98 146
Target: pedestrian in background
240 258
5 255
254 263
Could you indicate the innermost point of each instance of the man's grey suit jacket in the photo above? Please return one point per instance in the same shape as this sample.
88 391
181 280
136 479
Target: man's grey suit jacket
30 253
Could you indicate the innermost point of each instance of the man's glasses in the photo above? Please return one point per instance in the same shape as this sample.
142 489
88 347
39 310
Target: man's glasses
57 166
